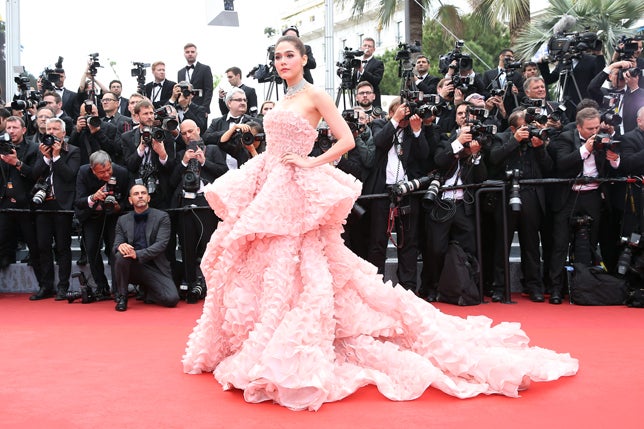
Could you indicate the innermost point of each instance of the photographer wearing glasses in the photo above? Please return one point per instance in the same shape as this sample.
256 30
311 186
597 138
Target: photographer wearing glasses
56 170
110 103
199 166
234 76
91 134
182 98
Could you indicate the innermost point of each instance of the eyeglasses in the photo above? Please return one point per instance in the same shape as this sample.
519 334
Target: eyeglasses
365 93
105 100
239 100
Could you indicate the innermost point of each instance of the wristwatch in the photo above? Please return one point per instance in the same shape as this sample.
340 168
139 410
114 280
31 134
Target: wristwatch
18 164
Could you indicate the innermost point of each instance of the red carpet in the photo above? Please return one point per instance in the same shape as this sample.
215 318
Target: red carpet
87 366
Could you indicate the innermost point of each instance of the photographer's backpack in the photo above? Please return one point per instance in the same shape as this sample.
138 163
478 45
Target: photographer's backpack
459 280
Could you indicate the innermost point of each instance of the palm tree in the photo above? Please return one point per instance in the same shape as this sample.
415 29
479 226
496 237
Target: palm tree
515 12
387 10
608 18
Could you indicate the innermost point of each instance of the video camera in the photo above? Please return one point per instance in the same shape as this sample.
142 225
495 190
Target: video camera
139 73
403 56
566 46
347 65
266 72
94 64
627 46
50 78
463 60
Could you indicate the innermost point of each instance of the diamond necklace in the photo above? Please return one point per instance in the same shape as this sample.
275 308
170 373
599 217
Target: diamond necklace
298 87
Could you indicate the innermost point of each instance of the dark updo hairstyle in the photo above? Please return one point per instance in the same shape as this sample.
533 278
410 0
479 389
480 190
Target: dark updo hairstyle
295 41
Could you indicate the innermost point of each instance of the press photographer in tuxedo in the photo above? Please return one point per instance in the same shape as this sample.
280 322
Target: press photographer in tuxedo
55 172
200 77
159 90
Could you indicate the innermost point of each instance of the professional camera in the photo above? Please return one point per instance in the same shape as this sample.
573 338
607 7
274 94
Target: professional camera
609 117
534 114
515 190
6 147
86 294
152 133
625 258
532 102
464 83
403 188
581 248
558 114
21 105
139 73
542 133
94 64
147 177
94 121
633 71
246 138
566 46
167 118
347 65
191 180
50 78
266 72
110 190
497 92
463 60
352 118
403 56
628 47
22 82
40 191
49 140
325 139
482 133
604 141
510 65
423 105
186 91
432 191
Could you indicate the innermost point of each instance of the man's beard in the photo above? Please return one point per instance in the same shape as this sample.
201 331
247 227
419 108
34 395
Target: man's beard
364 103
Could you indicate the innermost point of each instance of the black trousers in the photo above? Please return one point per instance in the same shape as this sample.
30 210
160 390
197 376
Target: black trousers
159 287
50 228
528 222
578 204
440 230
97 230
196 226
10 224
406 227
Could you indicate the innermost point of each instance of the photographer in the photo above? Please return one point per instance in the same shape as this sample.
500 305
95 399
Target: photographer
451 216
182 99
521 152
243 142
159 90
234 76
535 89
91 134
101 192
55 82
633 99
630 49
110 103
199 166
365 97
16 181
55 170
54 102
464 77
42 115
198 75
400 149
371 69
424 81
577 154
149 154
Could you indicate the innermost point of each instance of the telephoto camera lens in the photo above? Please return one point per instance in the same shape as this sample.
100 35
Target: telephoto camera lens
39 197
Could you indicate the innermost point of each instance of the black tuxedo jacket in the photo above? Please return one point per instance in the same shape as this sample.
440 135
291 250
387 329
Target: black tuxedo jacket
106 138
632 153
490 82
214 167
251 100
87 184
15 186
129 143
195 112
201 79
122 123
123 110
70 103
219 126
564 150
157 236
166 92
447 162
631 104
414 151
428 84
373 72
65 170
586 69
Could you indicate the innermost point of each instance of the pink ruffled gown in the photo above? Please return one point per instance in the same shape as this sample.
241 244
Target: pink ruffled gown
295 317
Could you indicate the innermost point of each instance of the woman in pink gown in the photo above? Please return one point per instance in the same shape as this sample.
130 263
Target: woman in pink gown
295 317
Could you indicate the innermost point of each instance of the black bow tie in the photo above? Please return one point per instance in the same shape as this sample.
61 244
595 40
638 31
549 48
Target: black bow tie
235 120
365 61
157 84
190 67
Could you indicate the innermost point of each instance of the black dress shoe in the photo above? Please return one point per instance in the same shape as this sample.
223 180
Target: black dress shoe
82 260
43 293
121 303
536 296
497 296
555 298
61 294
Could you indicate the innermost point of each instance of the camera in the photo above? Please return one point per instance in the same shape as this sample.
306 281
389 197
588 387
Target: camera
510 65
496 92
626 256
50 78
423 105
403 188
463 60
462 82
541 133
22 82
534 114
86 294
352 118
167 118
403 56
6 147
186 91
609 117
20 105
191 180
139 69
432 191
628 48
604 141
110 190
49 140
41 191
94 64
147 177
94 121
346 66
566 46
152 133
515 190
325 139
532 102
